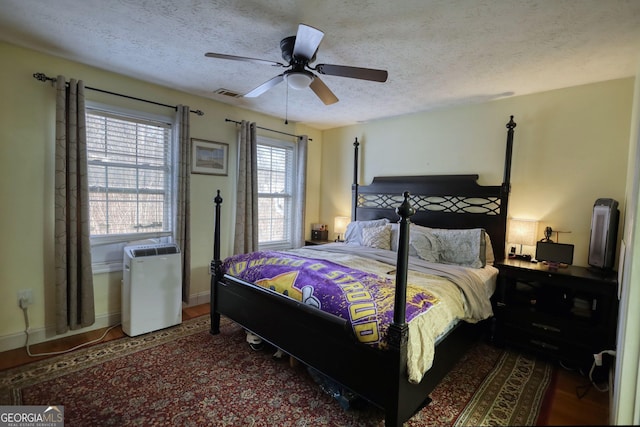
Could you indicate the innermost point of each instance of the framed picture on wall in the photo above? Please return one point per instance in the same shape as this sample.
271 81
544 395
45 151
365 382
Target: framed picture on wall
209 157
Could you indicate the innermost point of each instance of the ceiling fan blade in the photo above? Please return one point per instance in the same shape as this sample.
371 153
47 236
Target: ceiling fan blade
322 91
243 58
352 72
264 87
307 41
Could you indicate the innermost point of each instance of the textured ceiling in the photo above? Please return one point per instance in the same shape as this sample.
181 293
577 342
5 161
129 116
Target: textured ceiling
438 53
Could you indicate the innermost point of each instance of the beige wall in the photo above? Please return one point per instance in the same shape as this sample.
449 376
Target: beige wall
570 148
27 118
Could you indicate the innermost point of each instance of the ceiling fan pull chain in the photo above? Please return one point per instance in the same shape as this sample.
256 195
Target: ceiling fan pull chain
286 107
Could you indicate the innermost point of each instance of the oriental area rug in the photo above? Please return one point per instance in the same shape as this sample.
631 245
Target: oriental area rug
184 376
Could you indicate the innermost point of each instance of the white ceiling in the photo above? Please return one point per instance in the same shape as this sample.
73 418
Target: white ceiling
437 52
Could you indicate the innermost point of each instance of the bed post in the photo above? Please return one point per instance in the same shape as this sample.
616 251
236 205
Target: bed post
507 158
405 210
215 268
354 187
399 330
506 181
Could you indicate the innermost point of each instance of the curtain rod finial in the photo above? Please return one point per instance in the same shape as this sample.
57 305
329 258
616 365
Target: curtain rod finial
42 77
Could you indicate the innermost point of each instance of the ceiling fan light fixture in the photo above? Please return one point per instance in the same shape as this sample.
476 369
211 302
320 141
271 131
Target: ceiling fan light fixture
299 79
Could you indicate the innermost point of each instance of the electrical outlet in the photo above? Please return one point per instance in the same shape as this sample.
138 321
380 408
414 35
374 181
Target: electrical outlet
25 298
598 359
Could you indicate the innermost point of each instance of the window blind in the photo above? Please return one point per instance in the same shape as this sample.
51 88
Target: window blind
276 173
130 175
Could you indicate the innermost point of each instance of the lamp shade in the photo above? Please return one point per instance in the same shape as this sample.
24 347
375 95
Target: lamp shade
522 232
340 224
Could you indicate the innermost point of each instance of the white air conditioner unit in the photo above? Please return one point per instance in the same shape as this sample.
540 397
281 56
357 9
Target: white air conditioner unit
151 288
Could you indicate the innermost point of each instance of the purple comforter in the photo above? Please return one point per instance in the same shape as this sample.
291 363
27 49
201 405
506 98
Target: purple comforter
365 299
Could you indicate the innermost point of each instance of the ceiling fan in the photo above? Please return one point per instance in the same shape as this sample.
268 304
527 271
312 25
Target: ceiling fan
299 51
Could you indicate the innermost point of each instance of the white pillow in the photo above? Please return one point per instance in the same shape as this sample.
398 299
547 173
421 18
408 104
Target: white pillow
419 229
395 236
377 237
489 257
462 247
426 245
353 235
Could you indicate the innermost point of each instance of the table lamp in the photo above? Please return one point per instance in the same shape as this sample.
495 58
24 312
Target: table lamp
340 227
522 232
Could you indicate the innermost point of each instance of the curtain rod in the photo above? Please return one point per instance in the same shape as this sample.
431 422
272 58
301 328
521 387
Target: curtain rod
270 130
43 78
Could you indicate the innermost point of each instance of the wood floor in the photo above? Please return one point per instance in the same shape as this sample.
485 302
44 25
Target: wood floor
565 407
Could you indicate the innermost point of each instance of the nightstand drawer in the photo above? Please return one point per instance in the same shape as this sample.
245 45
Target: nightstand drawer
560 301
553 326
550 345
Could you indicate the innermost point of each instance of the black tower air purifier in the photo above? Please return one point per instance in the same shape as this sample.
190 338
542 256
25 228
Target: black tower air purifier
604 233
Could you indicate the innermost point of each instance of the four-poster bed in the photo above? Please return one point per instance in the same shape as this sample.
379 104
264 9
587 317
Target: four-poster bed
327 342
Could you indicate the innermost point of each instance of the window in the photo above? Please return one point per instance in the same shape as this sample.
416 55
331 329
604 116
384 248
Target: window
130 182
276 194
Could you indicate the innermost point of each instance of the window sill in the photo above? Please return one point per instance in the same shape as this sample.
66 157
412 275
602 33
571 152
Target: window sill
106 267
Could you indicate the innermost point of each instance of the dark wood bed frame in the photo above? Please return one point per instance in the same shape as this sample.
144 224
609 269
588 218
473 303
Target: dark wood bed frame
326 342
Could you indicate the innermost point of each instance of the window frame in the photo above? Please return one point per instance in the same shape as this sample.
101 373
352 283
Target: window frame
291 176
107 250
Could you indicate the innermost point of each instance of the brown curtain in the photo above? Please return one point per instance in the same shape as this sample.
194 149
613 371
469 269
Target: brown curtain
183 204
73 278
301 191
246 229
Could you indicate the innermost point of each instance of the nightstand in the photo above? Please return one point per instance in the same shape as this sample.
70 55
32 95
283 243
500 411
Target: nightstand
317 242
567 314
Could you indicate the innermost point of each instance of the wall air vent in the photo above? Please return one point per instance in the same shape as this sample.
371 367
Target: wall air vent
227 92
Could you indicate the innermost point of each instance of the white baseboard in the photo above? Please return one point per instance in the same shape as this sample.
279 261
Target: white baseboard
47 333
200 298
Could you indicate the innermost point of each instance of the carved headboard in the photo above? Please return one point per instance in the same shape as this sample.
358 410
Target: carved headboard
441 201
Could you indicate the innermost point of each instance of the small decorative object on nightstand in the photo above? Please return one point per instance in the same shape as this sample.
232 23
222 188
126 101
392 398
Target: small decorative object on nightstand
567 314
319 232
